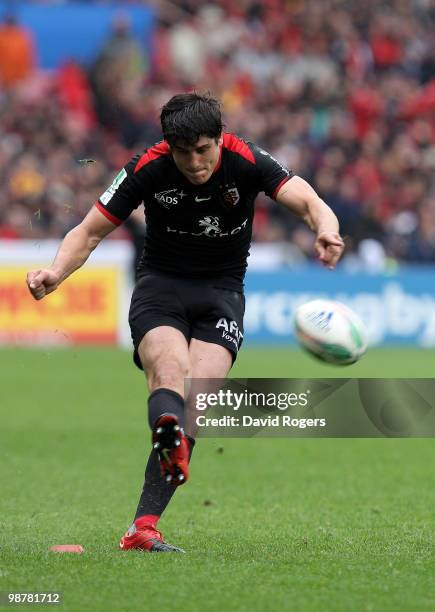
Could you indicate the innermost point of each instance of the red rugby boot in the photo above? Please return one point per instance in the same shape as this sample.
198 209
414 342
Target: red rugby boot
173 449
143 535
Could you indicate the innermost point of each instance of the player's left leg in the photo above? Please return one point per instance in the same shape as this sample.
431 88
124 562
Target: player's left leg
216 337
207 361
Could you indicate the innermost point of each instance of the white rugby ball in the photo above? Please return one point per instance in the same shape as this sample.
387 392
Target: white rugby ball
330 331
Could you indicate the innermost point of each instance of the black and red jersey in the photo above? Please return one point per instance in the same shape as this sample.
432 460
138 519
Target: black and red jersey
195 230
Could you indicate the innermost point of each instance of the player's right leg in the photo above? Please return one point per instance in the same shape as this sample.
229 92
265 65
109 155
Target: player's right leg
164 355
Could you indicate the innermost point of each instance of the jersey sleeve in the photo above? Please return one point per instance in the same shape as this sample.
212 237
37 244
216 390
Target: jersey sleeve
124 194
271 174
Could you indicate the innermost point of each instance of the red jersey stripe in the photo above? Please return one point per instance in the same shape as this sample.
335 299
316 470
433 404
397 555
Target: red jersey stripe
107 214
232 143
159 149
284 180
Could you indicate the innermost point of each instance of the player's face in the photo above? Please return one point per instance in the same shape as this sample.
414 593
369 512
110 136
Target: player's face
197 162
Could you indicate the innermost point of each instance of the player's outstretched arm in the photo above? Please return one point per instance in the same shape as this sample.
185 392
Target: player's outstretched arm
74 250
301 199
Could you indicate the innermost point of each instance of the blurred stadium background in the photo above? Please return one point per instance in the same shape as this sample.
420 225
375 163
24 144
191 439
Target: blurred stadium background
342 92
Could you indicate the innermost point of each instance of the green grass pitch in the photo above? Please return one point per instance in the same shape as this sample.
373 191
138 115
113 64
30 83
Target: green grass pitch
269 524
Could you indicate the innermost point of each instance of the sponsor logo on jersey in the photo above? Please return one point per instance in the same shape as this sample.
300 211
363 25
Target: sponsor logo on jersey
230 331
110 192
231 196
169 197
210 227
197 199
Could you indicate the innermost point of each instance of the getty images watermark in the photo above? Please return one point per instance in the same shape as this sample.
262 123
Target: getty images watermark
341 407
226 398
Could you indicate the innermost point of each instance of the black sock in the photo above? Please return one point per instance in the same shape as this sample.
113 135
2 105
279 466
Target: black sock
156 493
165 401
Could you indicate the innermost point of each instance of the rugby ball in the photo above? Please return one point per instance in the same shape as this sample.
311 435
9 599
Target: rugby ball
330 331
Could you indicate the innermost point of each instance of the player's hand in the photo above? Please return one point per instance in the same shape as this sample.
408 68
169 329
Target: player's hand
329 247
42 282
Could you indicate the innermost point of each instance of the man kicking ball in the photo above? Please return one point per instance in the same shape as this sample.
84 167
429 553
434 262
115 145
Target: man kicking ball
198 186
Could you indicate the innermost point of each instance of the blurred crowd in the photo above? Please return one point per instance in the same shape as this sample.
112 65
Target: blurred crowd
342 92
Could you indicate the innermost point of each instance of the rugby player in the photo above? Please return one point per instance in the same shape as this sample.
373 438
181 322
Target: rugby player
198 186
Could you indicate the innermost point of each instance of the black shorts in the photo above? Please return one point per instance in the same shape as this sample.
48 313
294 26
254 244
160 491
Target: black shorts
201 309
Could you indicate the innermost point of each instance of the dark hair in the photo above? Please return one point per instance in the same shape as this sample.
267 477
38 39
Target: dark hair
187 117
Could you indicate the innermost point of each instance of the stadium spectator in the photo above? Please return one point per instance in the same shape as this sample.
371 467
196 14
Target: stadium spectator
420 246
17 54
